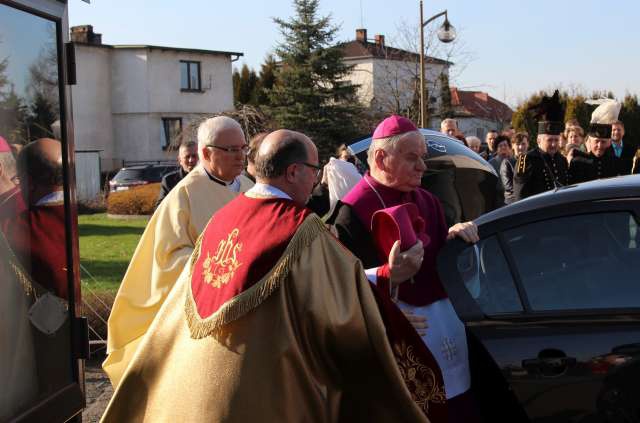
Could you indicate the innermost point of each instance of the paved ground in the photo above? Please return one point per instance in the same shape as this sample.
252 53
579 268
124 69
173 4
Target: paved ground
99 390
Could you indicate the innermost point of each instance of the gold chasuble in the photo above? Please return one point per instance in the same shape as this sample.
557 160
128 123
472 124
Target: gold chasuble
161 254
272 320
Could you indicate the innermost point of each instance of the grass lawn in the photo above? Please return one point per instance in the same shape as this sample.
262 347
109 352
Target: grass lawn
106 246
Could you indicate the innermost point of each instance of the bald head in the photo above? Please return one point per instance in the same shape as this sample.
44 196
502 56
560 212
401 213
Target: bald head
40 168
288 160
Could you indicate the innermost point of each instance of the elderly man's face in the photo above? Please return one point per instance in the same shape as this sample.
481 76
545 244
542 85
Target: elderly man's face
406 164
548 143
225 156
449 128
475 145
188 158
599 146
617 132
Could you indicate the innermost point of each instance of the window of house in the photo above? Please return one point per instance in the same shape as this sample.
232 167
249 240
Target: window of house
190 76
169 132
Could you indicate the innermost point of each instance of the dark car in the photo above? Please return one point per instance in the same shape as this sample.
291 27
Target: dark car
464 182
552 290
129 177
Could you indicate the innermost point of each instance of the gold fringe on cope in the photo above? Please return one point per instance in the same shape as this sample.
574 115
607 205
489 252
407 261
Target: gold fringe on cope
243 303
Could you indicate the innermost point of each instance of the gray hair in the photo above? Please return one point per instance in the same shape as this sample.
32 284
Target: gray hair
210 129
388 144
474 139
448 120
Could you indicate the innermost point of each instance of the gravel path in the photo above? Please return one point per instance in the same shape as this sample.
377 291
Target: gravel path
99 390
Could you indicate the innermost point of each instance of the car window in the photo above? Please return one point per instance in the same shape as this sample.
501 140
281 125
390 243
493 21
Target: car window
579 262
485 273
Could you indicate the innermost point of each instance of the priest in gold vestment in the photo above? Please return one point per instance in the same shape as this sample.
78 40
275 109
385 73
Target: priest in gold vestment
170 236
272 319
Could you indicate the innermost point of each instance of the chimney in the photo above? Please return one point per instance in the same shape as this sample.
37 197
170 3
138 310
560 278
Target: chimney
84 34
379 40
361 35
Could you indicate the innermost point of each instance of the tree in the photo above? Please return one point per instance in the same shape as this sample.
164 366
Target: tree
311 93
245 84
13 117
42 115
630 116
446 108
266 80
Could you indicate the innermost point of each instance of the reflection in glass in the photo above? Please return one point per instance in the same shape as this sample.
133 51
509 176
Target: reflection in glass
35 359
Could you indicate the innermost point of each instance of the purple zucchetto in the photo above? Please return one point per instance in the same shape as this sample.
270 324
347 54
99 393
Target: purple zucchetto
393 125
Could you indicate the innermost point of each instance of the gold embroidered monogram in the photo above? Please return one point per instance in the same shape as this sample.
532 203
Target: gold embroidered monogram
219 269
420 379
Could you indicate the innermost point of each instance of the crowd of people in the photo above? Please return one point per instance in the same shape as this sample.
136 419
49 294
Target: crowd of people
564 153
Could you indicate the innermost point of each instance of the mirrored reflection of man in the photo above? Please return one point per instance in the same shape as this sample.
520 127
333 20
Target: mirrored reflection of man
187 161
11 202
280 327
38 239
171 235
39 235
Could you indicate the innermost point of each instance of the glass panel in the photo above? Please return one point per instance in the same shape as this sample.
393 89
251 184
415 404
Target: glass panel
485 273
194 70
35 355
184 75
579 262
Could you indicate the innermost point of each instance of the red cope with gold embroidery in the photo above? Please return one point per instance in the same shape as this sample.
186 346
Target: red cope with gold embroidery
241 244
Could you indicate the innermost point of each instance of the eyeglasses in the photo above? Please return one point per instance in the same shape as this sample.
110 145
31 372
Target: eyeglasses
244 149
317 168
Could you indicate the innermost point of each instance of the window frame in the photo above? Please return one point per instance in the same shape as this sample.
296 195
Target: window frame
190 89
169 145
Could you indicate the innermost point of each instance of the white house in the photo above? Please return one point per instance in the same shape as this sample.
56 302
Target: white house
130 101
388 77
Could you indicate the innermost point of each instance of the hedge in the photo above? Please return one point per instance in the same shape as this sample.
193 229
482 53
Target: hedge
138 200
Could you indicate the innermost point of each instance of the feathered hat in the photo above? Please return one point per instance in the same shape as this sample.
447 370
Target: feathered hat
549 113
603 116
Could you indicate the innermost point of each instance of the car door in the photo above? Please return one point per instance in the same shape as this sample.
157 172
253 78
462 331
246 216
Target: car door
42 338
554 296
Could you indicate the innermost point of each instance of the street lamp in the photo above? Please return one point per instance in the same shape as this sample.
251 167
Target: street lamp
446 34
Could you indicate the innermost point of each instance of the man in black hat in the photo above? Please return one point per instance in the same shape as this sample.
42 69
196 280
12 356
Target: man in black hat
543 168
600 162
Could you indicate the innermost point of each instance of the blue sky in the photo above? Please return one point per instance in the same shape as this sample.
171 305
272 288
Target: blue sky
516 47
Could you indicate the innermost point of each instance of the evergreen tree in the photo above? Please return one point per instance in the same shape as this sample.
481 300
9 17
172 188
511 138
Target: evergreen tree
446 108
630 116
42 115
266 80
235 78
13 116
311 93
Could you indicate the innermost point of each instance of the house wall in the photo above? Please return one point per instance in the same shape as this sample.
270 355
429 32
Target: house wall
477 126
389 85
93 123
123 94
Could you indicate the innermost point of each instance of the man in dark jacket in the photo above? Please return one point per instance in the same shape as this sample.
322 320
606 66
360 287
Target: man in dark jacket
187 159
600 162
543 168
622 149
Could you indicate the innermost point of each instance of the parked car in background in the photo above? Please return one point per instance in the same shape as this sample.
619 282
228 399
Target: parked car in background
552 290
132 176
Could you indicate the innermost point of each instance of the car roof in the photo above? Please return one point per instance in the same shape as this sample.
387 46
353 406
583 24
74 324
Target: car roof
601 189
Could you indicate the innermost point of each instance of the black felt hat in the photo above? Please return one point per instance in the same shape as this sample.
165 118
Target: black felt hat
549 113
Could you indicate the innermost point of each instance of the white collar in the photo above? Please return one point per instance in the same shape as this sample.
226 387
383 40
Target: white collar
261 190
